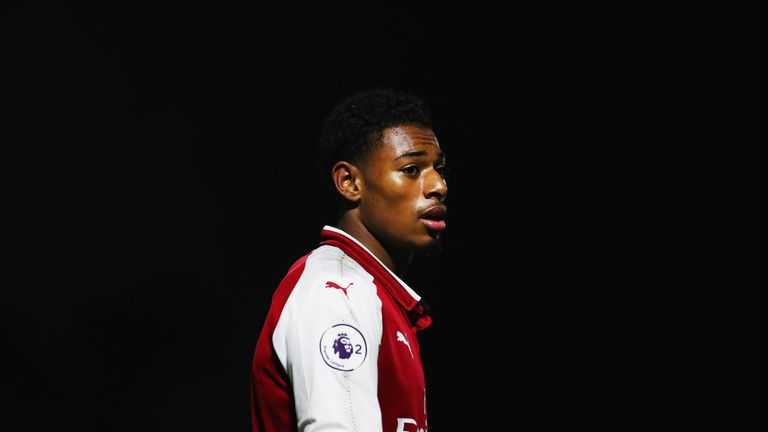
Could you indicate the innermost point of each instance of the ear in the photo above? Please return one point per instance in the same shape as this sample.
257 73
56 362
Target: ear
347 180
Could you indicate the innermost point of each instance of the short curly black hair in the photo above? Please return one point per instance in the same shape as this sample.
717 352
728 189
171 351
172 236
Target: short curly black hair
356 125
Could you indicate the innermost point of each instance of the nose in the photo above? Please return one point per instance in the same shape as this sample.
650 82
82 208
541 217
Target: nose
435 186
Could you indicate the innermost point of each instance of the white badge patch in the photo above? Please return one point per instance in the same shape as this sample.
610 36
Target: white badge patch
343 347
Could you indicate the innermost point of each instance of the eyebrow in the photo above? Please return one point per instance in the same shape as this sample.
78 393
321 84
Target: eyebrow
421 153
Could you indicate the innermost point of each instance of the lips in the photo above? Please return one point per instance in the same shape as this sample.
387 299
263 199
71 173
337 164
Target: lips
436 213
434 217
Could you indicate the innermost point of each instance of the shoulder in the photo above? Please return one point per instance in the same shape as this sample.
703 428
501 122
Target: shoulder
330 278
332 289
329 263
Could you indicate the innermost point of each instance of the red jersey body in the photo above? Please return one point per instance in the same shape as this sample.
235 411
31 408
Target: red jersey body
338 350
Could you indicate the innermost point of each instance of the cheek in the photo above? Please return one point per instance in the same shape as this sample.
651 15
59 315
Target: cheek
399 192
385 191
392 200
398 202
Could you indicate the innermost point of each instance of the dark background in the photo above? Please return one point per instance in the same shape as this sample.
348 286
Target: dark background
601 236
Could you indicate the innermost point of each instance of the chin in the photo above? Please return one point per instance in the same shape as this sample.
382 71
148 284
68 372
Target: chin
430 246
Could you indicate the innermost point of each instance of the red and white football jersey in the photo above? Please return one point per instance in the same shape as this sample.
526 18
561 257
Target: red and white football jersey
338 350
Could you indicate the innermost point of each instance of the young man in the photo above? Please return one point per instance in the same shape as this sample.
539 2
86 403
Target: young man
338 350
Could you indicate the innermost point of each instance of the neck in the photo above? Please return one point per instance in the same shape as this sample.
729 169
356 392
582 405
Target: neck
394 259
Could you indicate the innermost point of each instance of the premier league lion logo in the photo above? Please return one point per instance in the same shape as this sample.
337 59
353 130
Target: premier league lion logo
343 347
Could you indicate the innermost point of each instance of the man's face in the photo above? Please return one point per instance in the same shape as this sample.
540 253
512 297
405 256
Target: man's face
404 188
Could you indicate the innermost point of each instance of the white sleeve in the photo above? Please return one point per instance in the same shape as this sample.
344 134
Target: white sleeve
328 342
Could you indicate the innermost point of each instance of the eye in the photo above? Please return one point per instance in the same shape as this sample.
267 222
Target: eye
411 170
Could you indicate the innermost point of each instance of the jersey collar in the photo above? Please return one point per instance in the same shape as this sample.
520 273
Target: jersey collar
399 290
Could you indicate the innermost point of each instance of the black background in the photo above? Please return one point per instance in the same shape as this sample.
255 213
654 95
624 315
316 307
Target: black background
603 214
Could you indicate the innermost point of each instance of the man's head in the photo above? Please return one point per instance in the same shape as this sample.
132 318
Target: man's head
343 346
384 161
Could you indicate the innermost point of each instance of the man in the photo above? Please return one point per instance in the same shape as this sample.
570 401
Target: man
338 350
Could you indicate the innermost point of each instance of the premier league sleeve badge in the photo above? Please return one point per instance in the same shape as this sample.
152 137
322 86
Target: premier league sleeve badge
343 347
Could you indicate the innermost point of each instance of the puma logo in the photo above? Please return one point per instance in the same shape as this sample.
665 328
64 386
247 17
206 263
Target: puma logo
334 285
401 338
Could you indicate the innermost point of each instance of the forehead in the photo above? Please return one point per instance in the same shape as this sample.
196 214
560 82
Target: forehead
402 139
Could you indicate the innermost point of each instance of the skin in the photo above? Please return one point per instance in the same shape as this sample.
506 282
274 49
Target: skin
387 193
